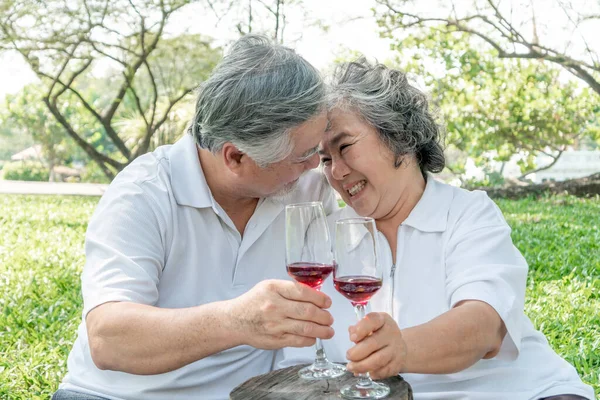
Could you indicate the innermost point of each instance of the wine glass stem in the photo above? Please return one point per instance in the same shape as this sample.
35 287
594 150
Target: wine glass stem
321 357
363 379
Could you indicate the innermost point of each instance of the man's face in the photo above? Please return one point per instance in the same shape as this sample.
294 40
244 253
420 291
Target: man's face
280 178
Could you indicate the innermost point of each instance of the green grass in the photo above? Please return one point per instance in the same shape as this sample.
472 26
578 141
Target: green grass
560 238
41 257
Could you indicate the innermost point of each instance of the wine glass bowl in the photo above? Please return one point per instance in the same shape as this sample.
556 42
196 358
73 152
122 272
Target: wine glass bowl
309 261
358 289
310 274
358 276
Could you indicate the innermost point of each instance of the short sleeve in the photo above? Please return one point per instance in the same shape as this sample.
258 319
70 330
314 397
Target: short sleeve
483 264
124 249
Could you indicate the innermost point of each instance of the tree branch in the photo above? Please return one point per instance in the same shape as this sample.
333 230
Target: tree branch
146 142
578 68
154 91
545 167
140 109
112 134
90 151
133 70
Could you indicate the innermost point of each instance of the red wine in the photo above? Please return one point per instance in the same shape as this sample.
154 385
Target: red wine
358 289
310 274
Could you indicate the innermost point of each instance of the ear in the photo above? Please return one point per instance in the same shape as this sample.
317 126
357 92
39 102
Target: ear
233 157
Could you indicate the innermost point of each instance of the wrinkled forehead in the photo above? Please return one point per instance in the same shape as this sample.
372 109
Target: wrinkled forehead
342 123
331 139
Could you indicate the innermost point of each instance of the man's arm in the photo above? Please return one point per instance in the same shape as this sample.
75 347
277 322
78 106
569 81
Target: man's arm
142 339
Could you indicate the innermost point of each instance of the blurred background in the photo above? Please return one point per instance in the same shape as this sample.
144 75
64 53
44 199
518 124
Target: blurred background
86 86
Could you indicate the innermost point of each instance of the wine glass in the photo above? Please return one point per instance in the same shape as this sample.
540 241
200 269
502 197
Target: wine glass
358 276
309 261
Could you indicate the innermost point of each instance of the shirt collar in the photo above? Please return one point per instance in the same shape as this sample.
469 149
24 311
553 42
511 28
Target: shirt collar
431 212
187 179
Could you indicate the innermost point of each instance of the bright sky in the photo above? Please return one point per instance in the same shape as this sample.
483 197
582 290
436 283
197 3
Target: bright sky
316 45
351 26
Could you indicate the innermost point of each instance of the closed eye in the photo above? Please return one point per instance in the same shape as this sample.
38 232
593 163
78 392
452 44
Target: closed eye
325 160
344 146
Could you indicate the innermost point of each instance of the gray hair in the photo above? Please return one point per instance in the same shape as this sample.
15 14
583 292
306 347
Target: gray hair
384 98
254 97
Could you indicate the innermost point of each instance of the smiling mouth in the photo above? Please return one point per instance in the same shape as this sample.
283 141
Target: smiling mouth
354 190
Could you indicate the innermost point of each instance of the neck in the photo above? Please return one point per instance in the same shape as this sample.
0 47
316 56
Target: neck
237 206
411 194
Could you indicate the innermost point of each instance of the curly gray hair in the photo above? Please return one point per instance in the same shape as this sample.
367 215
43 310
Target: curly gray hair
254 97
384 98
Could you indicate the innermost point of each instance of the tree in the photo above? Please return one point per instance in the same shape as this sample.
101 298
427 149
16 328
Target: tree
511 33
26 116
268 17
11 140
66 42
495 108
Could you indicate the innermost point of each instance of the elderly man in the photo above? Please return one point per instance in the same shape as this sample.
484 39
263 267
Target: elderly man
176 305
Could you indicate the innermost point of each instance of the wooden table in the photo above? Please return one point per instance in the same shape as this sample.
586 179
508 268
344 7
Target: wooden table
284 384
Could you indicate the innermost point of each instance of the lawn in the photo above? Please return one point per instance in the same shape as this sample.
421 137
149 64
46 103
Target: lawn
41 257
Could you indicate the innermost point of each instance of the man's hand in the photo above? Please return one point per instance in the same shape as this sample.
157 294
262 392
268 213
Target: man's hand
276 314
380 348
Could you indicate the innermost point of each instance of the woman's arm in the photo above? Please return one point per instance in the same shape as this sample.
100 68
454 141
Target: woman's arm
454 341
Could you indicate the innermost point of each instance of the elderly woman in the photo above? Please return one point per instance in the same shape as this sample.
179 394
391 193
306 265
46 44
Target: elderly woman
450 315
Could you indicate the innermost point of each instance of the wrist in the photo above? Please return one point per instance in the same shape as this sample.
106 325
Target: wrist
232 322
404 366
404 353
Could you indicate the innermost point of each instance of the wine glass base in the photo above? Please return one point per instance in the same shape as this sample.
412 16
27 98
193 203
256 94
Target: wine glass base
327 370
373 390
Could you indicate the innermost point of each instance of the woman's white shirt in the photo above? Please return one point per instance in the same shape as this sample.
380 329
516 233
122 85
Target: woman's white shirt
455 245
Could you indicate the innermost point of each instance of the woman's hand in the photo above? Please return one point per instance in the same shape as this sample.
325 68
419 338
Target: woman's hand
380 348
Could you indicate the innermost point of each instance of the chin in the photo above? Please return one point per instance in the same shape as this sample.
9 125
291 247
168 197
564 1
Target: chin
286 192
362 209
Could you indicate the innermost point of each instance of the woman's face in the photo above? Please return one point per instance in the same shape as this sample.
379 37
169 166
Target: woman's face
361 168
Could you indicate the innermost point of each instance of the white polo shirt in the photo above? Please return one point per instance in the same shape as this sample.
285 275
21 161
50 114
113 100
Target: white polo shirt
159 238
455 245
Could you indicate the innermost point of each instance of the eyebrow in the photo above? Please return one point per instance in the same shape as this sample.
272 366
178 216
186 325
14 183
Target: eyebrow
336 139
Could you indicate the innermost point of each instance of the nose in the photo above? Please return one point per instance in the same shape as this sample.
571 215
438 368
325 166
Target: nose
339 169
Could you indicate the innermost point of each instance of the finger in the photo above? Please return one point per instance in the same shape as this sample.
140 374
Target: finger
365 348
298 292
382 373
371 323
374 362
291 340
307 312
306 329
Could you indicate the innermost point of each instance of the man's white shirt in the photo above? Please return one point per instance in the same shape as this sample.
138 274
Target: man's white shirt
159 238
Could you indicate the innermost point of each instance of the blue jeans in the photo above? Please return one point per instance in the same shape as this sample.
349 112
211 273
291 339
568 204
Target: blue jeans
62 394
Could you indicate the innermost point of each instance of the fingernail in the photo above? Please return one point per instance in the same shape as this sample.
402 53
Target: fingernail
353 337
